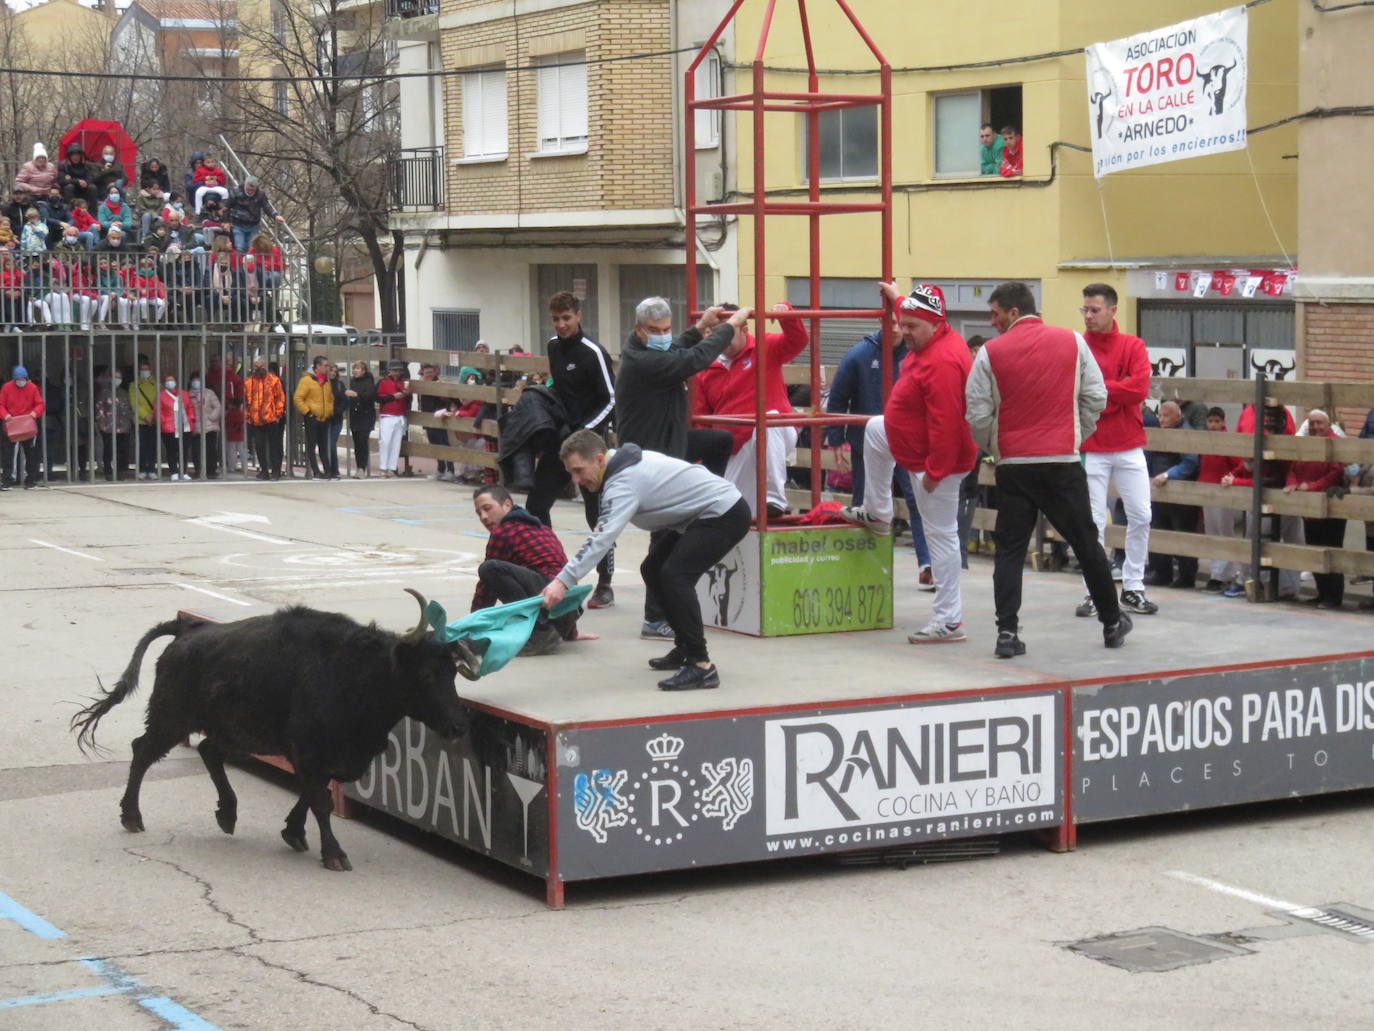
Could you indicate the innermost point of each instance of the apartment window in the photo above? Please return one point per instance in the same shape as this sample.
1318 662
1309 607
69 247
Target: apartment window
849 143
958 117
279 98
708 88
484 114
562 86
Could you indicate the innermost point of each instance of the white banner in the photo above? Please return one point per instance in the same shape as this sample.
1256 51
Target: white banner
931 762
1169 94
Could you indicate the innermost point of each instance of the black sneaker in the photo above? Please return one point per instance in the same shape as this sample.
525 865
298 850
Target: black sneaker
1114 636
691 678
602 598
675 659
1135 601
1008 645
1214 587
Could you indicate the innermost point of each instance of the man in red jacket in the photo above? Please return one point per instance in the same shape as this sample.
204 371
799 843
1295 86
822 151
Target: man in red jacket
1115 454
1034 395
726 387
923 429
19 397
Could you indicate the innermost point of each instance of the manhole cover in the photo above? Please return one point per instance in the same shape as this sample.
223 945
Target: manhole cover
1155 950
1340 918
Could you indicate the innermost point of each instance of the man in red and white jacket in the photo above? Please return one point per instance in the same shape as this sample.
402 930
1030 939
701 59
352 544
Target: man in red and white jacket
1034 395
1115 453
726 387
923 429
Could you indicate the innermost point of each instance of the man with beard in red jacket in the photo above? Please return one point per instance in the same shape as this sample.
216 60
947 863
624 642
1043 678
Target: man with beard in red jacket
1115 453
923 429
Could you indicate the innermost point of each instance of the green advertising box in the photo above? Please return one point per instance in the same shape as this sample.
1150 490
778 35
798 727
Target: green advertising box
802 580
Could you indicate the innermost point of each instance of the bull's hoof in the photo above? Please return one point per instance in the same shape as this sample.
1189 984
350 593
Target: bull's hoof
295 839
337 863
132 823
227 819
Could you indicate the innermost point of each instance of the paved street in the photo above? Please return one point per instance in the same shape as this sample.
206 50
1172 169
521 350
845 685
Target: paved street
185 927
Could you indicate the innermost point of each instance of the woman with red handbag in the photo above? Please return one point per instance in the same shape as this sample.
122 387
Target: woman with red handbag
21 406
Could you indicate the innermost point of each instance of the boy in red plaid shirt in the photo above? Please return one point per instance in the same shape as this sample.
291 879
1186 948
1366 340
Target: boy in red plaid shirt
523 555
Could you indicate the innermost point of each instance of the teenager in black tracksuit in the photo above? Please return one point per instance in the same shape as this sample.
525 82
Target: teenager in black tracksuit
582 379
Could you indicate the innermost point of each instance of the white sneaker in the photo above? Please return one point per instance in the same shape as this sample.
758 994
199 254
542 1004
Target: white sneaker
860 516
434 476
447 477
175 476
936 632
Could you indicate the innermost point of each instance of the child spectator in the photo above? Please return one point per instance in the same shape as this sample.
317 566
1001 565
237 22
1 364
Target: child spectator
12 302
110 292
34 238
146 290
87 228
1216 520
8 241
1273 474
210 179
113 209
211 222
151 200
1321 477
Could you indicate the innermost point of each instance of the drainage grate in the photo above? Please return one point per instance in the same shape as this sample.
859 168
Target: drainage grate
926 852
1339 918
1155 950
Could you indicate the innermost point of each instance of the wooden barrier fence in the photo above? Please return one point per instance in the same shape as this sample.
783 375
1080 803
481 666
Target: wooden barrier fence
1352 399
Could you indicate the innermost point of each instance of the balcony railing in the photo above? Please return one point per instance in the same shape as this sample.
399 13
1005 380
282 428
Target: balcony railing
411 8
417 179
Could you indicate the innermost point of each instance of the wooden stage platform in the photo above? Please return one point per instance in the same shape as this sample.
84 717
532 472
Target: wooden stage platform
579 768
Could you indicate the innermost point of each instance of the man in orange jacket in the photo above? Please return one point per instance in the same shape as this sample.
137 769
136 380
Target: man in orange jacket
264 401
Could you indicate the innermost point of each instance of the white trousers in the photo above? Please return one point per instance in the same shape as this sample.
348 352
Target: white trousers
938 509
1127 472
782 444
390 430
1221 522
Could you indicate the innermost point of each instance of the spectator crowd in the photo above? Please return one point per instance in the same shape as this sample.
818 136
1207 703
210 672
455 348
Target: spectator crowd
84 242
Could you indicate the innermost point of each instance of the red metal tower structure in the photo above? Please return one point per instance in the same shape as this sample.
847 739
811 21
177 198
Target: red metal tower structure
759 102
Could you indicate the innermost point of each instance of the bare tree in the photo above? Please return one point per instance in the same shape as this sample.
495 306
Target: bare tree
322 134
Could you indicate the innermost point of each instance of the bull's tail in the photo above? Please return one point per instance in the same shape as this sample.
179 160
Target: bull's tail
83 724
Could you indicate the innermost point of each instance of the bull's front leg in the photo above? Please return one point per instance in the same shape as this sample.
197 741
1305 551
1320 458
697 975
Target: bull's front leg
315 793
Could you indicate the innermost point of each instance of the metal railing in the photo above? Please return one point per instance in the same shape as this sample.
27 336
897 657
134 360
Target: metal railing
416 179
411 8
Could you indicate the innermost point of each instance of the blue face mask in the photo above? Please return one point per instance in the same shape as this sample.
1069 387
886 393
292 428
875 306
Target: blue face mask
659 341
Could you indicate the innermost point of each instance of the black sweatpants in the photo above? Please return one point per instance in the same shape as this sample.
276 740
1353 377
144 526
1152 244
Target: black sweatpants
266 443
1060 491
1184 519
676 561
511 582
362 433
316 443
1327 533
549 480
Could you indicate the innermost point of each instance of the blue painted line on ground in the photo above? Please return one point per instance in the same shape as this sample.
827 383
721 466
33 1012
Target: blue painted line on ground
62 996
31 922
177 1015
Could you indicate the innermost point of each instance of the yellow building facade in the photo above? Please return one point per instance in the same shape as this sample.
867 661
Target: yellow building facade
1056 226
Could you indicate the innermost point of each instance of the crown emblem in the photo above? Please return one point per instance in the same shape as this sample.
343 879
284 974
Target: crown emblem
664 748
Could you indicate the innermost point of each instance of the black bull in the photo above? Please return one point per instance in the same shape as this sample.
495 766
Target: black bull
313 686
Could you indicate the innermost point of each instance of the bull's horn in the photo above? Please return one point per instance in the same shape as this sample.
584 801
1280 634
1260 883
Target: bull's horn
420 628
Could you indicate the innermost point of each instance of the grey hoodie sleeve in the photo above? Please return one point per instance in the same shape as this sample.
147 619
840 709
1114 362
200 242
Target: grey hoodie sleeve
619 503
1092 390
980 402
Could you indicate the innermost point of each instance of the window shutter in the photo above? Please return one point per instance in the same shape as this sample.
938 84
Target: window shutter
472 115
573 99
548 108
494 113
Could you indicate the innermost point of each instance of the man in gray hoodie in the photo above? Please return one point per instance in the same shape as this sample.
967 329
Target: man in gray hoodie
703 514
